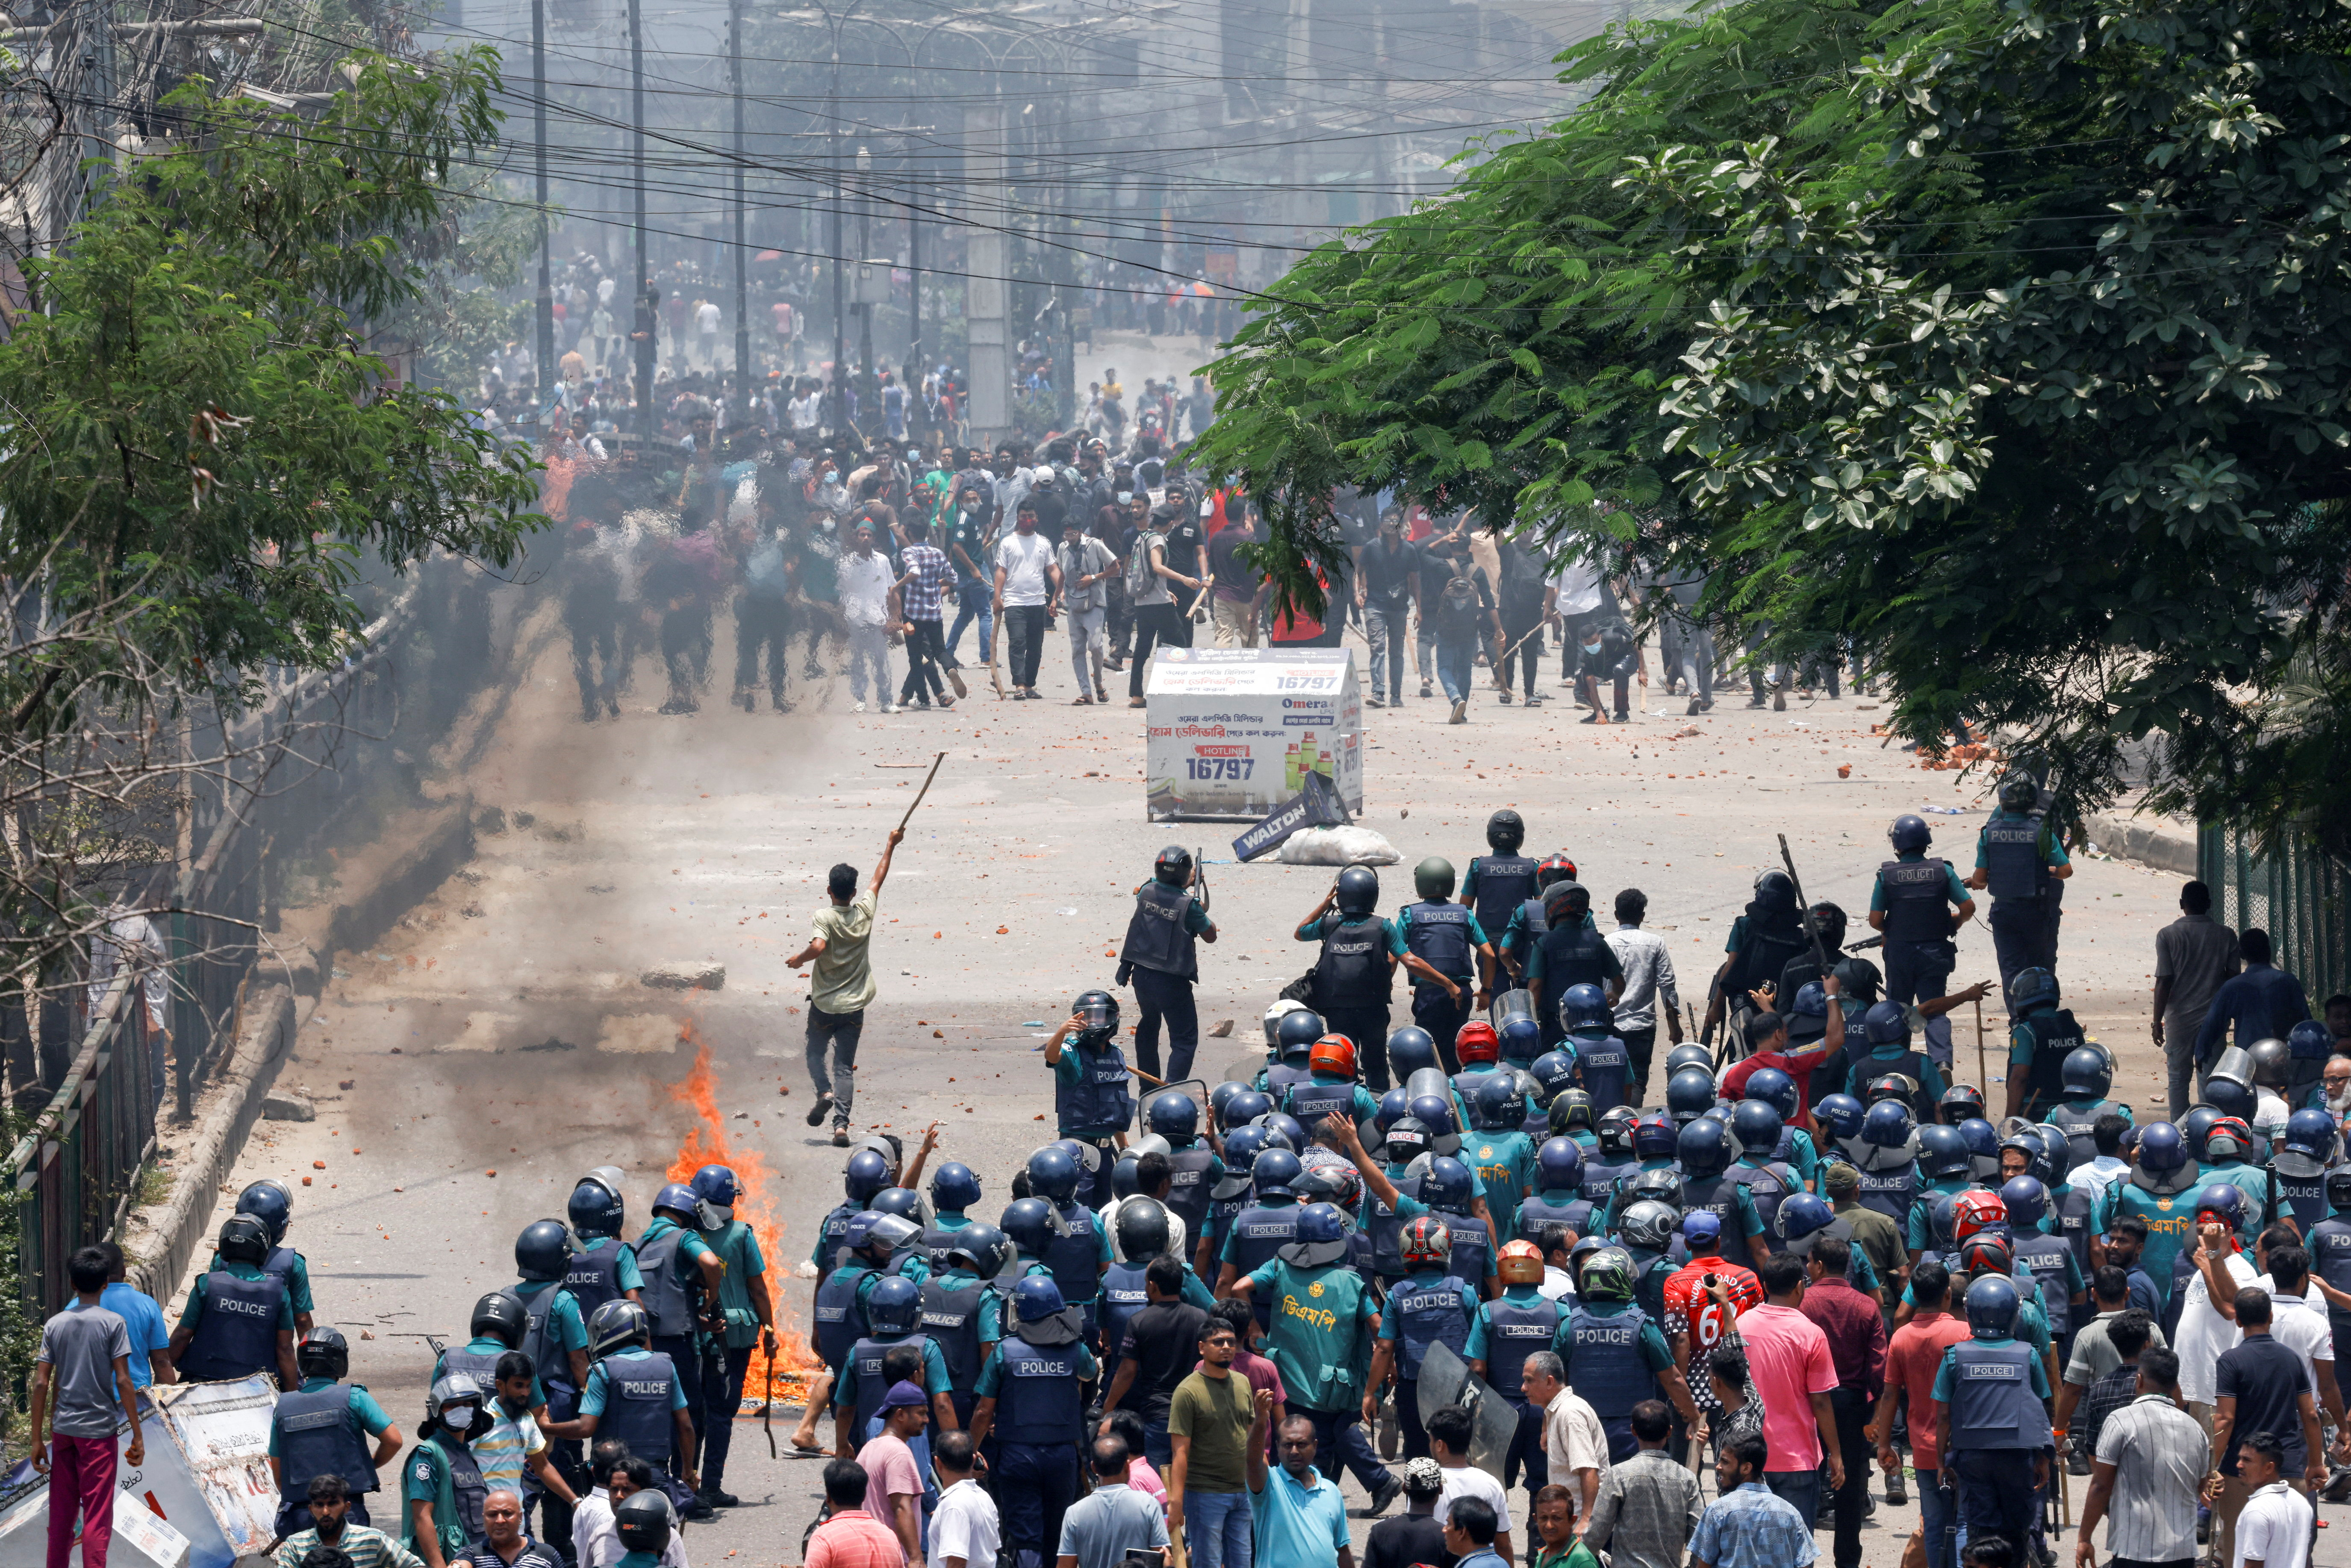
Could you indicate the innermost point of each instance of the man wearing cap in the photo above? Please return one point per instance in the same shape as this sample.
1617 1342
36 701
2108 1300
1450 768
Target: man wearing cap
1876 1236
893 1492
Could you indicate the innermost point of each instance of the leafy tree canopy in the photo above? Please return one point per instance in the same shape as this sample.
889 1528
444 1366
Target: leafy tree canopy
2006 340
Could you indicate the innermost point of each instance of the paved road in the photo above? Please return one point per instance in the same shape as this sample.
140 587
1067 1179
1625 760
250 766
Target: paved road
498 1043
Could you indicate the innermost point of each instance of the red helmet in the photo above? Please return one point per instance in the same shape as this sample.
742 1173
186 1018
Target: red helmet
1424 1240
2229 1127
1333 1054
1975 1210
1557 868
1521 1263
1478 1042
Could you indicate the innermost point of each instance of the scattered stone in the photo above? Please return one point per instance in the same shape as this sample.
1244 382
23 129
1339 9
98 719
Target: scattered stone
563 833
347 1084
287 1105
470 877
490 819
700 975
1222 1030
369 1333
524 819
553 1043
471 912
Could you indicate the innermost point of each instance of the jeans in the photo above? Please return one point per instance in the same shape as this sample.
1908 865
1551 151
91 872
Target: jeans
81 1487
1158 1447
1852 1415
1384 626
868 651
1234 621
1024 644
1217 1531
759 624
1937 1511
1153 623
1456 662
1640 1044
592 645
1424 648
839 1033
1996 1495
926 651
1089 646
1158 996
973 601
1340 1438
1800 1490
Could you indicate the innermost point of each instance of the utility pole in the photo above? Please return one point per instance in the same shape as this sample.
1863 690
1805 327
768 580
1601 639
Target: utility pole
648 316
840 283
546 241
742 251
864 261
984 292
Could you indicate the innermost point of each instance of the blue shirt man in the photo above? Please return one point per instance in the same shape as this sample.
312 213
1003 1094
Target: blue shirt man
144 1317
2263 1002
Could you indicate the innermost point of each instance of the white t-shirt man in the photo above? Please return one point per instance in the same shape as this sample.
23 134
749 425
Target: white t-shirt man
865 582
2299 1323
1024 558
802 411
2273 1530
2204 1334
706 319
1468 1480
1578 583
964 1525
2270 1116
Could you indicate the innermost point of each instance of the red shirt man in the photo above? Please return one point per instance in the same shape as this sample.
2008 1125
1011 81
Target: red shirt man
1911 1362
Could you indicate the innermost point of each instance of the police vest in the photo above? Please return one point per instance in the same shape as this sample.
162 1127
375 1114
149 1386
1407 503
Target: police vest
1992 1402
282 1262
936 1237
316 1436
236 1335
1600 1178
2080 1126
1536 1212
1280 1077
1503 881
1353 970
667 1300
1188 1187
1515 1331
1123 1296
1157 936
1385 1232
1649 1280
1916 900
1259 1232
1764 954
1438 934
1310 1102
1429 1311
2013 864
1869 1066
481 1369
1076 1259
2304 1198
2330 1259
2055 1036
1604 1363
1604 1065
2306 1064
1099 1103
1891 1193
839 1321
867 1385
1573 955
1714 1195
2074 1208
1473 1252
2047 1256
594 1278
548 1357
638 1396
951 1321
467 1490
1532 921
833 1234
1768 1186
1038 1402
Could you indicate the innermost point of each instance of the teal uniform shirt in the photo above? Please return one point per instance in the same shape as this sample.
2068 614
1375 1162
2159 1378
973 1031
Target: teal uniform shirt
196 1307
564 1323
1401 922
2170 1221
1320 1336
1505 1164
935 1378
365 1416
738 1260
1919 1230
1880 1062
1315 930
1806 1159
991 1374
297 1283
692 1249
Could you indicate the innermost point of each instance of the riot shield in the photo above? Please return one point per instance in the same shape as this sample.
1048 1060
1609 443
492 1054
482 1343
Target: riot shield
1446 1379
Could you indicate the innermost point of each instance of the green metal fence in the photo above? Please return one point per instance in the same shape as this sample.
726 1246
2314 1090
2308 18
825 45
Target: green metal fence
2300 896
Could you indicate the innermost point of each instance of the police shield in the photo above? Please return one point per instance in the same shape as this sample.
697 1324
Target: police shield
1509 1008
2236 1065
1446 1379
1196 1088
1429 1080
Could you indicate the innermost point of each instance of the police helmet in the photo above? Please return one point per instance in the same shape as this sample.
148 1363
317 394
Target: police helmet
2198 1122
1565 901
1571 1109
2018 792
500 1315
1688 1055
1909 833
1333 1054
1704 1147
2161 1148
1775 1089
1359 892
269 1201
1246 1108
1394 1105
1175 1117
894 1305
1554 868
1408 1138
1958 1103
1296 1034
1174 866
1988 1252
2031 988
1036 1298
1433 879
2086 1074
675 1198
1519 1263
871 1229
324 1353
1983 1147
2230 1140
641 1520
1655 1136
1410 1048
1519 1040
1221 1097
903 1201
1283 1130
2338 1189
1689 1095
1757 1126
1497 1104
1424 1240
1029 1223
244 1240
1659 1186
1053 1175
2309 1042
1097 1014
1505 831
955 1186
618 1325
1585 1006
1555 1071
1142 1230
2272 1060
985 1248
1992 1301
1477 1044
1435 1112
1272 1172
1888 1124
1448 1185
1857 980
1942 1153
867 1173
1607 1276
1649 1224
717 1186
1811 1002
1321 1225
2308 1144
1887 1023
1615 1132
1802 1217
1774 885
1841 1116
596 1208
2026 1200
2223 1201
1124 1180
1281 1009
1559 1164
452 1391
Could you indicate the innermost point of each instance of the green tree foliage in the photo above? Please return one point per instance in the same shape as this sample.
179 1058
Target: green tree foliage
2003 339
201 449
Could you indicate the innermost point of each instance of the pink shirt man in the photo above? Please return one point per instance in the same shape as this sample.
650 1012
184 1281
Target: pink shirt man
1789 1356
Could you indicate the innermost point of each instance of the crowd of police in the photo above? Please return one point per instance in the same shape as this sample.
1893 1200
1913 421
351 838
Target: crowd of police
1483 1181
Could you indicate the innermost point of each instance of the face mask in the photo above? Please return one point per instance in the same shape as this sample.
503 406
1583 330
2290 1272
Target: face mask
1591 647
1125 496
717 1213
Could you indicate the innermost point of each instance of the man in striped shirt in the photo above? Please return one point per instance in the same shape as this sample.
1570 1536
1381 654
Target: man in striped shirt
923 592
2150 1462
330 1506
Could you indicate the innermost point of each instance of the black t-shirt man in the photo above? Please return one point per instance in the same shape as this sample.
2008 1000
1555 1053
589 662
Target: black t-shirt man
1163 1341
1404 1540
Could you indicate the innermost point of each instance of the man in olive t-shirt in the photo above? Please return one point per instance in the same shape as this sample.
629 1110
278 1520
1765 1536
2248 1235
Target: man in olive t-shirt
1209 1424
840 987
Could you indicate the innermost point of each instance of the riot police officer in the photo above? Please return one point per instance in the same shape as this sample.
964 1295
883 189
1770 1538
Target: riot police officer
1885 1035
1558 1198
445 1523
1450 1188
496 1327
867 1172
2303 1156
681 1286
1354 974
603 1268
1756 1127
1449 955
2042 1035
2019 859
2083 1079
1528 923
1193 1168
238 1319
954 1189
1570 951
1945 1168
1988 1400
2065 1290
634 1395
1920 905
1262 1227
1500 1151
1077 1253
322 1429
1093 1103
1032 1401
1764 940
2161 1173
893 1313
1330 1089
1497 884
271 1201
1428 1306
963 1311
1508 1329
1162 959
1601 1060
1614 1356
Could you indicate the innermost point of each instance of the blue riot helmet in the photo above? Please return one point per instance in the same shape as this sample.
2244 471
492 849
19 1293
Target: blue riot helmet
716 1191
1756 1127
1242 1145
2223 1201
2309 1042
1555 1071
1943 1221
543 1250
2222 1097
1175 1117
983 1249
1841 1116
675 1200
1285 1130
2087 1073
1244 1108
1356 892
1036 1298
1775 1089
1319 1223
1804 1215
1585 1006
895 1306
1704 1148
595 1208
1053 1175
2029 988
2026 1198
1689 1095
1029 1222
1992 1301
1808 1015
1448 1186
243 1239
1559 1166
1909 833
1887 1023
871 1227
2197 1125
1221 1097
1435 1112
1654 1136
1296 1034
1521 1040
1498 1105
2309 1145
1394 1105
903 1201
2161 1148
1410 1048
1888 1124
1983 1148
1690 1053
269 1201
1942 1153
953 1187
1272 1172
866 1173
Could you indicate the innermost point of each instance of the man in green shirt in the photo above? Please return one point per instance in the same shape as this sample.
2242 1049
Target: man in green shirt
840 987
1208 1419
